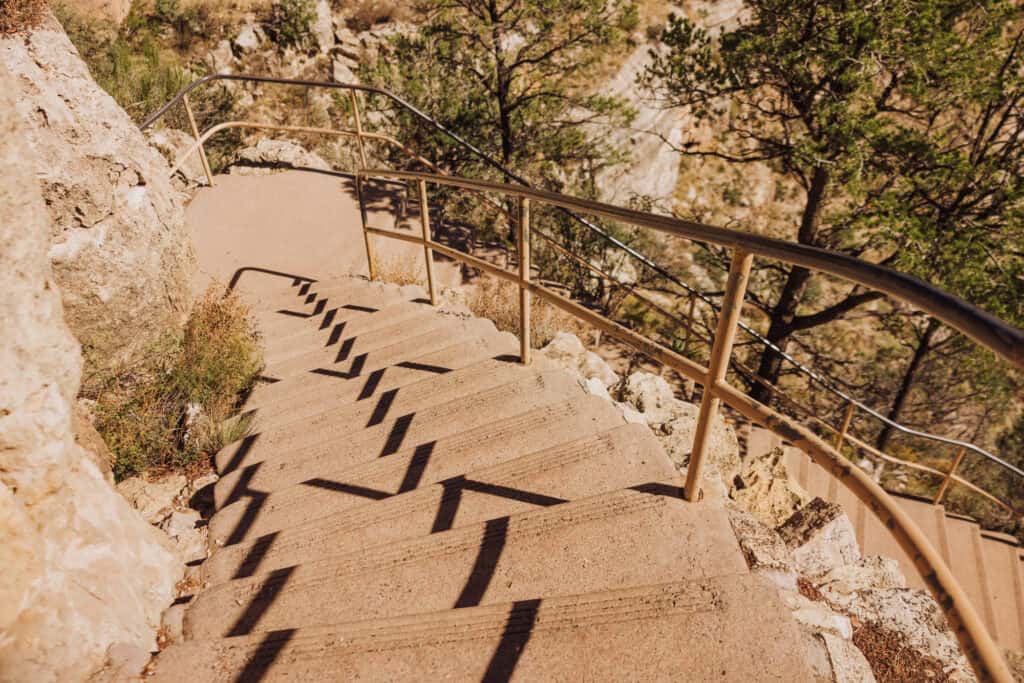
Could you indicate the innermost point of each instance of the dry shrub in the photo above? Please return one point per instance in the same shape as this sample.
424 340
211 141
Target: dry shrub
20 15
400 270
370 12
892 660
163 412
498 300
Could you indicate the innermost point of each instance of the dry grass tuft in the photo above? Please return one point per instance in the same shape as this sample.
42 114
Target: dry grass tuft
400 270
17 16
173 406
498 301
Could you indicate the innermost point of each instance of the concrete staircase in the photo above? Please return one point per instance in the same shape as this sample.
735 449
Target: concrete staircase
412 503
989 566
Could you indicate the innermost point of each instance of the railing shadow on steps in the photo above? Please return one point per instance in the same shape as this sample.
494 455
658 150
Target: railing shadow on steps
995 335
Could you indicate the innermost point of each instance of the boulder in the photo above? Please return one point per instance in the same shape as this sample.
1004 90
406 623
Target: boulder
82 570
249 37
865 574
154 499
821 537
117 242
341 71
221 59
268 155
722 458
323 26
764 489
189 538
567 351
763 548
651 395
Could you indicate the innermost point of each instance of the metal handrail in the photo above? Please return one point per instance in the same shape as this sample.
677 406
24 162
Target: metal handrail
989 331
964 620
1007 345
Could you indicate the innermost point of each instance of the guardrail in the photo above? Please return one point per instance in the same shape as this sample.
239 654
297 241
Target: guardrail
1004 340
1009 344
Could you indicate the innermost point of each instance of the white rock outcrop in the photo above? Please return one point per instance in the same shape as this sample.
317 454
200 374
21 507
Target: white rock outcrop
83 573
116 235
267 155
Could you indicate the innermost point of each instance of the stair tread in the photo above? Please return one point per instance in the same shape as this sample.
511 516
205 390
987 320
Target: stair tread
617 458
1000 561
260 513
613 540
362 365
287 449
736 624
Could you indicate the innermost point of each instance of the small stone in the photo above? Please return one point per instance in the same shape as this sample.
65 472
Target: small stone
631 415
221 59
341 73
816 616
595 387
153 498
179 523
822 538
864 574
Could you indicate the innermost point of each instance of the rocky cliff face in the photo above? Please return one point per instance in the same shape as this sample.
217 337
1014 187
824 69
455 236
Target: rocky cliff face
82 571
116 238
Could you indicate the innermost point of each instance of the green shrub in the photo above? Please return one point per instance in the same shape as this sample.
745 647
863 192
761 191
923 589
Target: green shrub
172 407
20 15
289 22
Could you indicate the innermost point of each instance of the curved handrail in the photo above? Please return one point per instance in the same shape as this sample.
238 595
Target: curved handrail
951 597
1009 343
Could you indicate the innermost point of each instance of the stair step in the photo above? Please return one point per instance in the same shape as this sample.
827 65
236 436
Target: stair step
287 449
342 353
966 564
363 422
258 513
1001 566
337 289
630 537
497 351
303 312
338 324
428 391
621 457
728 628
362 367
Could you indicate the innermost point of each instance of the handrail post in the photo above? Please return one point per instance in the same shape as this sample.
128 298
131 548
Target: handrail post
721 352
841 436
524 281
199 139
371 259
949 476
428 253
359 127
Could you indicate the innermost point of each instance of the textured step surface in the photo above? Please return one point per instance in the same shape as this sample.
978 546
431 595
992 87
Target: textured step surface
256 512
615 540
704 630
625 456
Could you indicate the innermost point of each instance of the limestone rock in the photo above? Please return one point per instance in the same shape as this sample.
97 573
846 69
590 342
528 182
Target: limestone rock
221 59
120 252
183 528
249 37
816 616
651 395
822 538
174 144
323 27
864 574
89 439
848 663
125 663
82 571
268 155
722 458
567 351
153 499
341 71
763 549
173 623
763 488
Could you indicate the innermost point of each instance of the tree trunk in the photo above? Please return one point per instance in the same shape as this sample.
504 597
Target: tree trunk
924 345
782 314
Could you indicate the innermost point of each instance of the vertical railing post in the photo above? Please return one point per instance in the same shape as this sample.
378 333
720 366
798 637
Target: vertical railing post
721 352
428 253
524 280
359 128
949 476
371 258
847 417
195 132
